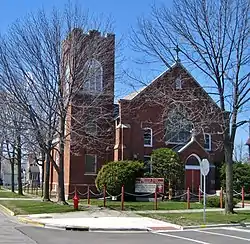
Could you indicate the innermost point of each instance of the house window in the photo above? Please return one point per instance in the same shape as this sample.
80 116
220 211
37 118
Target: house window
177 126
178 83
207 142
93 75
147 137
90 164
147 164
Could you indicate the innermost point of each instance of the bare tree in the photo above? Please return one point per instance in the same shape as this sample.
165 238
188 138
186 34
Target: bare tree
43 67
240 153
12 125
212 36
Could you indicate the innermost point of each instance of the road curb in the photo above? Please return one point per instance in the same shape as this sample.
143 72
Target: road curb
29 221
6 210
211 226
120 229
81 228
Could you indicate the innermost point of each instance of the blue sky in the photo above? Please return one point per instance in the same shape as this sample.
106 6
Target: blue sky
124 13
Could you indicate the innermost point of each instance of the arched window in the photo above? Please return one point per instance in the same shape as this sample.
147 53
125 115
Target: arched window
193 159
93 75
177 126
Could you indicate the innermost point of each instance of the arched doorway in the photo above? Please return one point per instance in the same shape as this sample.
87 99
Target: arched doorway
192 173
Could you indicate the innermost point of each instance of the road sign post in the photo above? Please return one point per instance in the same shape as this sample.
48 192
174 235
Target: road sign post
204 165
204 199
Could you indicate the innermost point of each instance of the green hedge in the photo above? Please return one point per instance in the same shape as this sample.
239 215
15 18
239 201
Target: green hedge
214 202
118 173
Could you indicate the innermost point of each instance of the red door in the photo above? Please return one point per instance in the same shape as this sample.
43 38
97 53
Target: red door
193 180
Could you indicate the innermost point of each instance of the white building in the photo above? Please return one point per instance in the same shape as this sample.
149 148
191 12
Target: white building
5 173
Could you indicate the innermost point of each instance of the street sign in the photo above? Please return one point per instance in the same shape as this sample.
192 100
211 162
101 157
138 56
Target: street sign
204 167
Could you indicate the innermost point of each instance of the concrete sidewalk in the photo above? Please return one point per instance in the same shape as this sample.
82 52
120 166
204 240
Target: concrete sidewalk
99 220
19 199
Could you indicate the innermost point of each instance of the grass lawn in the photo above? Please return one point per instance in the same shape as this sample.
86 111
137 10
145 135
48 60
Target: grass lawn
166 205
9 194
36 207
187 219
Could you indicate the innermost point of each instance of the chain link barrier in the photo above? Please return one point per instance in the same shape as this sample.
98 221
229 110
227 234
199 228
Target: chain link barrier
82 194
208 195
112 195
179 196
96 194
70 193
195 195
237 193
137 195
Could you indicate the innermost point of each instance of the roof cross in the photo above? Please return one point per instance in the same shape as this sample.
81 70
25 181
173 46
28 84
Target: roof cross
177 49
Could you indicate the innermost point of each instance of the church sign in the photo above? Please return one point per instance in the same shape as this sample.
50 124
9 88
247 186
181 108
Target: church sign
148 185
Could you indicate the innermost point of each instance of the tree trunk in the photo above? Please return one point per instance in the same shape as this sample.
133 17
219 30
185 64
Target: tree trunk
43 172
12 163
19 166
229 177
46 179
61 190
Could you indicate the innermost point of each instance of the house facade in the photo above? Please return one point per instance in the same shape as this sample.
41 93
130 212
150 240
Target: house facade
173 111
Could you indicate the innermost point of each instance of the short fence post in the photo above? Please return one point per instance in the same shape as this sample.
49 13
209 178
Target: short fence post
104 196
170 194
199 193
156 198
243 197
88 196
221 197
188 198
122 198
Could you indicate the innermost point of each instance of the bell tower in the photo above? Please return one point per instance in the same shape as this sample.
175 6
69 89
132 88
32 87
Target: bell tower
90 58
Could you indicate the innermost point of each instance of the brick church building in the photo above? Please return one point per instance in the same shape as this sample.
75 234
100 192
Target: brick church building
173 111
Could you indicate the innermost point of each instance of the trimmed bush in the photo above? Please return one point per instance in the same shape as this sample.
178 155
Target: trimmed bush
214 202
118 173
166 164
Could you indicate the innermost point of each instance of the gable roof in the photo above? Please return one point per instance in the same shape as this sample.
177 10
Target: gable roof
134 94
191 142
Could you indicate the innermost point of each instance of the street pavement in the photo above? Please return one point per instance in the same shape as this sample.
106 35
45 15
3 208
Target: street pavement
9 233
202 236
